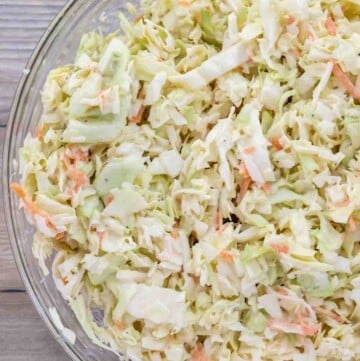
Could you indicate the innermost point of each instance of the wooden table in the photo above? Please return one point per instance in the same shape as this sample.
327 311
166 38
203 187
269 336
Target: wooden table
23 337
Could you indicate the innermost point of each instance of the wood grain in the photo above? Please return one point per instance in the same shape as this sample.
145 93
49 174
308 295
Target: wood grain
9 277
23 337
22 22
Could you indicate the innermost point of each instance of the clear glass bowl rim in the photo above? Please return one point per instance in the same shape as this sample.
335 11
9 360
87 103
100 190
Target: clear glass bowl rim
18 104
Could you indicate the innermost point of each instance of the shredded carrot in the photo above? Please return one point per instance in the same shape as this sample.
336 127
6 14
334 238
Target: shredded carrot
60 236
244 187
120 325
346 81
310 36
65 280
49 224
81 155
227 256
137 118
30 206
291 19
276 142
102 99
138 18
336 317
175 233
102 236
195 278
243 170
197 354
352 224
267 187
329 314
343 203
330 26
280 247
184 3
74 154
77 176
38 132
296 53
310 330
109 198
307 329
283 292
218 220
249 150
288 327
18 190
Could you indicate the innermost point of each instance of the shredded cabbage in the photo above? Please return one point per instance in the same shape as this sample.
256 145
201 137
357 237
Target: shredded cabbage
197 178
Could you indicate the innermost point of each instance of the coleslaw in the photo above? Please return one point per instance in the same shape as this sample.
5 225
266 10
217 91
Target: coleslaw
196 176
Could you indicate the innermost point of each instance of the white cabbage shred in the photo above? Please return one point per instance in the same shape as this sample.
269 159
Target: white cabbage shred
198 179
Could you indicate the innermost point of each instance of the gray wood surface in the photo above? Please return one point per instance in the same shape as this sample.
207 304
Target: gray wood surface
23 337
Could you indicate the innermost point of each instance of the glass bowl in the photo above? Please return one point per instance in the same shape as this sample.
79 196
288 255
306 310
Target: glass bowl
57 46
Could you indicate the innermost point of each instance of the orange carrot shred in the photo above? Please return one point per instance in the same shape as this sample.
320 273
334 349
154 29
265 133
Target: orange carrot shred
175 233
330 26
352 224
296 53
18 190
346 82
102 99
120 325
77 176
195 278
102 234
330 314
197 354
137 118
249 150
64 280
227 256
28 203
300 329
30 206
282 291
109 198
59 236
184 3
138 18
280 247
276 142
38 132
218 220
243 170
291 19
244 187
343 203
310 36
267 187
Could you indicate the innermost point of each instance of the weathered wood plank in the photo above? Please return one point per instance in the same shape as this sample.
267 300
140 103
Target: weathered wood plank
22 22
9 277
23 337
